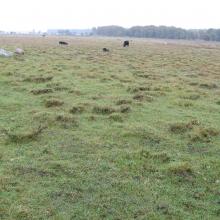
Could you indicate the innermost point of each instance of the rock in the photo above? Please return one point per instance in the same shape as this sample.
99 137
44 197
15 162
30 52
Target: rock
5 53
19 51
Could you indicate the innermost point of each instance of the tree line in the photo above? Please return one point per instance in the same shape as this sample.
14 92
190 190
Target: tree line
162 32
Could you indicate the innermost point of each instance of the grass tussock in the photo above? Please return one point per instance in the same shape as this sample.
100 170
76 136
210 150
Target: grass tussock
180 127
145 136
136 89
208 86
185 104
43 116
75 92
29 135
123 102
60 88
182 169
203 134
142 96
104 110
53 103
149 98
78 109
146 76
41 91
116 117
125 109
192 97
139 97
66 119
161 156
38 79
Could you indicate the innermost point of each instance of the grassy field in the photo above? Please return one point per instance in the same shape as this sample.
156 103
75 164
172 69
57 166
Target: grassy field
129 134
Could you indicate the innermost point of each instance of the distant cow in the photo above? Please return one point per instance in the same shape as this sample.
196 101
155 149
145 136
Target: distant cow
105 49
126 43
63 43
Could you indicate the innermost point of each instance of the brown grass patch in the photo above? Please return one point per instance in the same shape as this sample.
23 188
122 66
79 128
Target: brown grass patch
139 97
105 110
123 102
161 156
181 127
77 109
75 92
204 134
208 86
138 89
192 97
66 119
25 136
116 117
53 103
38 79
41 91
182 169
125 109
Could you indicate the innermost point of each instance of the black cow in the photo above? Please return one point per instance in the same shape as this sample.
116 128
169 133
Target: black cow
126 43
63 43
105 49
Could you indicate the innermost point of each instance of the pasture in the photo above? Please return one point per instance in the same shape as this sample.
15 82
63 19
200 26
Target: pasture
133 133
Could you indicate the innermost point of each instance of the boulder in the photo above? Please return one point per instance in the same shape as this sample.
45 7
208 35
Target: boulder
5 53
19 51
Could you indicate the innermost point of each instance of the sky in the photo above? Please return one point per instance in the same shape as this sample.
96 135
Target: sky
26 15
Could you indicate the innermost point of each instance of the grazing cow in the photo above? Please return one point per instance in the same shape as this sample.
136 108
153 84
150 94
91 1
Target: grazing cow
126 43
105 49
63 43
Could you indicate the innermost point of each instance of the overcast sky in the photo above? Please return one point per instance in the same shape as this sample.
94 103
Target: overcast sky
45 14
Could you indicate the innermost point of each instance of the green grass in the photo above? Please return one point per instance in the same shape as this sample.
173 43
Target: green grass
130 134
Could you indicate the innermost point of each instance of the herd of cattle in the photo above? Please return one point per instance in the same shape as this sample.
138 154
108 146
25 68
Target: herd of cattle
125 44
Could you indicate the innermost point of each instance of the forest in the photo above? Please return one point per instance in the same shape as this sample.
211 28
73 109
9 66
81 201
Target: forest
161 32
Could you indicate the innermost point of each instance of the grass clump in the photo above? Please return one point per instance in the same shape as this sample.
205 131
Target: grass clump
139 97
181 168
116 117
53 103
29 135
185 104
38 79
125 109
192 97
43 117
105 110
203 134
149 98
123 102
77 109
180 127
161 156
66 119
208 86
41 91
136 89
